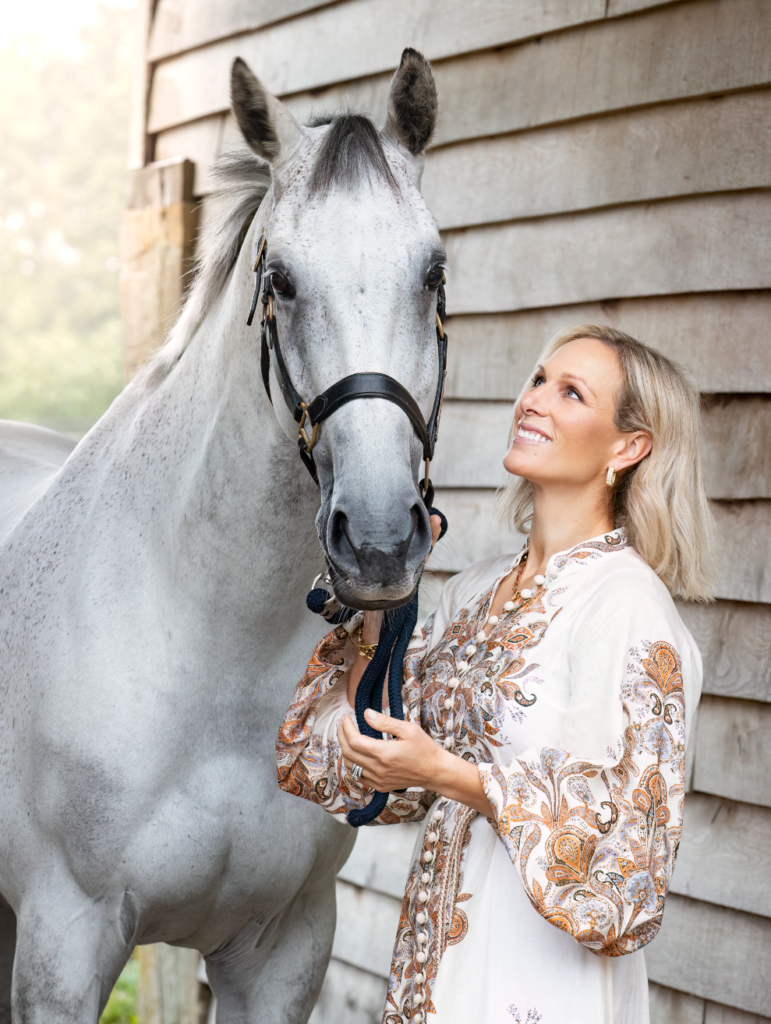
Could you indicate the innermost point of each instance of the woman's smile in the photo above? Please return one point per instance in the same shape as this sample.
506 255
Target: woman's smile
528 434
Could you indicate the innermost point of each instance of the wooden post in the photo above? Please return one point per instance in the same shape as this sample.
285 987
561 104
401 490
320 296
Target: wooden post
169 991
157 236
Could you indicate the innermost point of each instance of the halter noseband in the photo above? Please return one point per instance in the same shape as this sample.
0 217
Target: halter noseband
308 415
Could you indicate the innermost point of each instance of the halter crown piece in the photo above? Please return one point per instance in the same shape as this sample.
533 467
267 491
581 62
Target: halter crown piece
399 624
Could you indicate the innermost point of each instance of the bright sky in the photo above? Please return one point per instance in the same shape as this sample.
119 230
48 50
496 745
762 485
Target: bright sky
56 24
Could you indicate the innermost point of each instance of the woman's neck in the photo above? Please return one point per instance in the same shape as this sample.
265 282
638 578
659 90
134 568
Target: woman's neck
561 520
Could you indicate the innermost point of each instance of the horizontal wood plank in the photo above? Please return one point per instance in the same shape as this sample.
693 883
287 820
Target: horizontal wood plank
474 439
699 48
473 531
491 356
733 750
667 1006
744 550
366 928
737 452
180 25
381 858
704 243
200 142
713 953
744 540
711 145
734 638
716 1014
366 37
724 853
349 995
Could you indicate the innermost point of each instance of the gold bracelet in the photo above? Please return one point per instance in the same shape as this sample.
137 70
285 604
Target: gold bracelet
365 650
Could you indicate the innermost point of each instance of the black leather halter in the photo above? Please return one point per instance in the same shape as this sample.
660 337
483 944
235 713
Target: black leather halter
308 415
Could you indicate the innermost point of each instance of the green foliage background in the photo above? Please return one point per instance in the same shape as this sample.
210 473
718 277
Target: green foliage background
63 145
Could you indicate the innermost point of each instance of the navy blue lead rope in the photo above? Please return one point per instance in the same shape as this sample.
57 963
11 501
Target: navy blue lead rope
395 633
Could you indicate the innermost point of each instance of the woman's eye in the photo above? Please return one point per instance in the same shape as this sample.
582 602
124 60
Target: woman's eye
281 286
572 393
435 276
537 380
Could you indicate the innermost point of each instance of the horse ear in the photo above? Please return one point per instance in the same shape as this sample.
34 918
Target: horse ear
412 103
266 124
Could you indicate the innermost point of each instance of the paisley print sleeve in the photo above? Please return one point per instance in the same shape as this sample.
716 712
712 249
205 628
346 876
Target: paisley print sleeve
594 838
308 755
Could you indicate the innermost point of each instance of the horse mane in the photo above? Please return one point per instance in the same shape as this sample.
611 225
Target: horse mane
240 180
351 148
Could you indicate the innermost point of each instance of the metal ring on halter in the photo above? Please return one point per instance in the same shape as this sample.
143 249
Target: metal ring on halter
310 442
356 772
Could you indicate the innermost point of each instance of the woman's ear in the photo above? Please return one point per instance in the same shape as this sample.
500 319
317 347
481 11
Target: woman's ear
631 449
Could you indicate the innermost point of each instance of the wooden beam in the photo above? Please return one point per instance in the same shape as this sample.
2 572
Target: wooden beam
660 152
723 855
491 356
703 243
733 753
685 50
713 953
734 638
157 235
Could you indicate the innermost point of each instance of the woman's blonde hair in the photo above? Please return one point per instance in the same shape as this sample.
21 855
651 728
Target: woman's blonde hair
661 502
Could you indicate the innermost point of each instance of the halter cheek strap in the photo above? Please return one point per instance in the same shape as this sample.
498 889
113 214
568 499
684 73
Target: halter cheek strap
308 415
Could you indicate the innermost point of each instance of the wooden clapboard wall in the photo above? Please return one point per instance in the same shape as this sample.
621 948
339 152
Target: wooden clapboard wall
600 160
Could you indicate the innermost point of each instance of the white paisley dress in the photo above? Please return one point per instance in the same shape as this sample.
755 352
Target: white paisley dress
575 709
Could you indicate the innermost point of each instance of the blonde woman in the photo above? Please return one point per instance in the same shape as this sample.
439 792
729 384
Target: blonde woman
549 700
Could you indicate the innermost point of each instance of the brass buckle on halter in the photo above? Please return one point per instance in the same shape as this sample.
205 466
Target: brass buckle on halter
310 442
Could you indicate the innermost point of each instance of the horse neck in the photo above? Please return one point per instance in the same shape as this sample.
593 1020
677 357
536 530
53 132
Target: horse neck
214 489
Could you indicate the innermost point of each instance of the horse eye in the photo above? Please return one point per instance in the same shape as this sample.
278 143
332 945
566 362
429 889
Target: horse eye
435 276
281 286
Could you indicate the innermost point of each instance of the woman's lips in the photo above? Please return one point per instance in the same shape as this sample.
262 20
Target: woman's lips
531 435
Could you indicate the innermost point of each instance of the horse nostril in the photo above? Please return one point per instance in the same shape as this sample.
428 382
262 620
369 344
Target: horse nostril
339 541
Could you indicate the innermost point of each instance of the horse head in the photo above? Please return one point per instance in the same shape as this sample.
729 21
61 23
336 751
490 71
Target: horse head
353 264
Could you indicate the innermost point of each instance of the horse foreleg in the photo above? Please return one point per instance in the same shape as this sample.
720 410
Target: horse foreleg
7 949
69 954
273 974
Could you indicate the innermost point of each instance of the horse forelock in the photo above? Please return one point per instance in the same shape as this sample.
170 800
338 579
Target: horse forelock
350 151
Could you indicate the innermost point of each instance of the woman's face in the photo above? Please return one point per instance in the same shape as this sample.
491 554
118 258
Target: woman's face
565 430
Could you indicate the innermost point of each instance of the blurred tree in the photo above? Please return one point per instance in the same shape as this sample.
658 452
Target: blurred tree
63 143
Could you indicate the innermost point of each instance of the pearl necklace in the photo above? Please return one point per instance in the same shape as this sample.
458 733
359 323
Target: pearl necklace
510 606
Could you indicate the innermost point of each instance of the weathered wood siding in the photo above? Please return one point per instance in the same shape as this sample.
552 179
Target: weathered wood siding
598 160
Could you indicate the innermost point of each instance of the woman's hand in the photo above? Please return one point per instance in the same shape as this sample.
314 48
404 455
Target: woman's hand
414 760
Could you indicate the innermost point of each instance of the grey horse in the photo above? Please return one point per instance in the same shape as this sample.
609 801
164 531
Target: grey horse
152 582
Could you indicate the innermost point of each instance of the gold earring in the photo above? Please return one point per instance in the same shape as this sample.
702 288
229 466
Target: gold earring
610 477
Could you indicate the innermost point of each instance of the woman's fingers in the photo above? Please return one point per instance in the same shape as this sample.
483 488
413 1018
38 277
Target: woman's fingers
436 529
384 723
